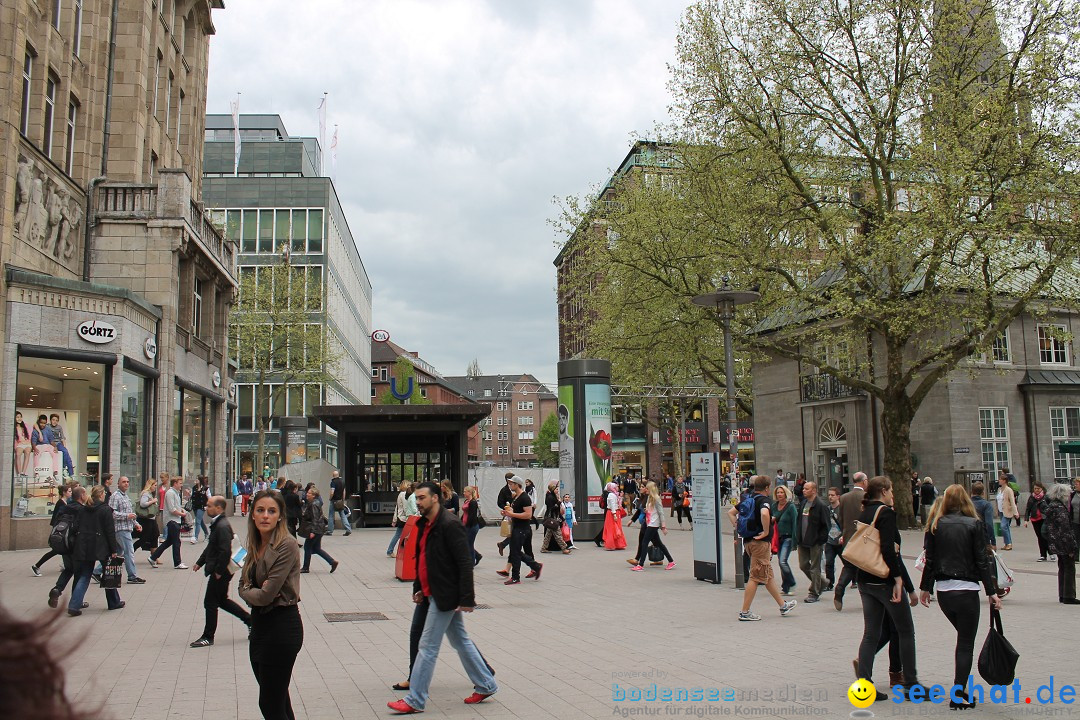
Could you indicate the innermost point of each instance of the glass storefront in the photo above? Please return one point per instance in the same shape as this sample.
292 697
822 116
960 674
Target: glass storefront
134 427
58 417
194 420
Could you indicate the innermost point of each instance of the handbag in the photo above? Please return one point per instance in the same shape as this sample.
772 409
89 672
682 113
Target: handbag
504 528
552 523
864 549
1005 577
774 541
920 562
655 554
339 505
111 577
997 660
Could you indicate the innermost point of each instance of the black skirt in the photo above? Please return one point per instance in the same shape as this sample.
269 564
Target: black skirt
276 635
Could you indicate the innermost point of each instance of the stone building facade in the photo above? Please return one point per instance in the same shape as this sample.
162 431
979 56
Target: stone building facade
1008 408
116 285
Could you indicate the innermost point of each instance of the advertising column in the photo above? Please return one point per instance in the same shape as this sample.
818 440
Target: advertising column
585 447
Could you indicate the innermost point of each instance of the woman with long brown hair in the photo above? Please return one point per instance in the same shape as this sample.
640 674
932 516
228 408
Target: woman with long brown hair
270 584
956 563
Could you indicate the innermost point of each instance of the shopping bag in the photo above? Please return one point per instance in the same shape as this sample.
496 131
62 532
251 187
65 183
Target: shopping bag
1004 574
111 577
920 562
997 660
504 528
566 533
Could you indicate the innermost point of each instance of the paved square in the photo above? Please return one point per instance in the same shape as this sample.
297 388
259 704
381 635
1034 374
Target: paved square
559 646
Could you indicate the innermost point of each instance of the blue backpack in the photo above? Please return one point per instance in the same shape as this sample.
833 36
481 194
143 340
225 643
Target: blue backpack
746 518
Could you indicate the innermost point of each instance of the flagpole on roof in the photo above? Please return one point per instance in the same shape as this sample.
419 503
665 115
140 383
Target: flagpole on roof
235 107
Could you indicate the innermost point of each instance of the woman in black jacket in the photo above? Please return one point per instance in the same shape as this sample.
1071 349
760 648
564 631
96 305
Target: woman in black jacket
884 596
956 563
58 511
1033 514
1060 538
95 543
470 517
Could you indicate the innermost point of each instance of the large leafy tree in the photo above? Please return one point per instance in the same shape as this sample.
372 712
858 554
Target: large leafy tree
279 340
547 434
897 178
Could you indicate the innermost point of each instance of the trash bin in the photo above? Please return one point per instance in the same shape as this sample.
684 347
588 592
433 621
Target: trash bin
405 567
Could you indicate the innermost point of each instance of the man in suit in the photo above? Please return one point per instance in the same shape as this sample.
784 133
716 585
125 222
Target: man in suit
848 514
444 584
215 559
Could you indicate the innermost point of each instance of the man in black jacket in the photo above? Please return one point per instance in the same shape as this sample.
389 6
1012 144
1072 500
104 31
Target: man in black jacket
215 558
811 532
444 583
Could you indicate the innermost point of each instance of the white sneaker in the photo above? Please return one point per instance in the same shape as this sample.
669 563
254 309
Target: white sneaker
181 566
788 607
193 541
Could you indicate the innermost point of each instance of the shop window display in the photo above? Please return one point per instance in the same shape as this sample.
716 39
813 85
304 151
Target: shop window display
57 404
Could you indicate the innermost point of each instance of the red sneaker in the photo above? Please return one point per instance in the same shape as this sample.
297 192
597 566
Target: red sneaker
476 698
402 708
536 573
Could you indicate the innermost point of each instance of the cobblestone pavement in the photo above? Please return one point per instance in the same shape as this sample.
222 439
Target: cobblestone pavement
563 647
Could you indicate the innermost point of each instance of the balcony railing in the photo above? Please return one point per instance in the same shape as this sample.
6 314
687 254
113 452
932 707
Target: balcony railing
823 386
138 201
212 237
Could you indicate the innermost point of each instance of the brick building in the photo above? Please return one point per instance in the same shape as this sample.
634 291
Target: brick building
519 406
116 285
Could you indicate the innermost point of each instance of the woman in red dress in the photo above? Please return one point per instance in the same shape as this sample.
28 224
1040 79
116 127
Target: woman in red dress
613 531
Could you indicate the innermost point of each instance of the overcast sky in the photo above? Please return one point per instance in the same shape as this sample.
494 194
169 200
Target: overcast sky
459 122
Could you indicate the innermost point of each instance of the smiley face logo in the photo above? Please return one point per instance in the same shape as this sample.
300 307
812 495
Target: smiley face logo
862 693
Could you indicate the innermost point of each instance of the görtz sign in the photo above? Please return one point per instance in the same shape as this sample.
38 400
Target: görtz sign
96 331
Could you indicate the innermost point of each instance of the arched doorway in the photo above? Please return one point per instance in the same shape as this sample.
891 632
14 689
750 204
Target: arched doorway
832 460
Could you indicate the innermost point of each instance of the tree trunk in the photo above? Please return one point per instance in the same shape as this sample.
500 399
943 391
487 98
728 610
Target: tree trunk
260 425
896 415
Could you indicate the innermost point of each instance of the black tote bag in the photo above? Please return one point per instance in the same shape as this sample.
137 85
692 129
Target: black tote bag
997 661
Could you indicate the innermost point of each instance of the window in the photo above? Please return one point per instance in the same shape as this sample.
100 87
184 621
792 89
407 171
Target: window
504 450
525 405
157 83
76 40
375 373
1053 349
168 101
485 435
1065 426
382 374
50 112
500 406
153 165
994 432
525 434
503 421
57 7
487 450
525 420
504 435
179 114
487 393
525 450
28 69
1000 349
196 308
73 110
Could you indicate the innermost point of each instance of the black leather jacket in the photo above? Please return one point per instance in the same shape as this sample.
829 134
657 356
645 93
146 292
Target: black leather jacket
957 551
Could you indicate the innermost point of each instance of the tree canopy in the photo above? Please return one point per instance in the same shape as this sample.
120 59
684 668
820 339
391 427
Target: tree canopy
897 178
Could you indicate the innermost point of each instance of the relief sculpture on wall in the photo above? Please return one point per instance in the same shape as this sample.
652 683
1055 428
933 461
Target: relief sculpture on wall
47 215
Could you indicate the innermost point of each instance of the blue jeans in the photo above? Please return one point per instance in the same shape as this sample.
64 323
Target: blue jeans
787 578
67 459
127 547
448 623
344 519
1006 530
199 514
471 533
82 582
394 540
313 546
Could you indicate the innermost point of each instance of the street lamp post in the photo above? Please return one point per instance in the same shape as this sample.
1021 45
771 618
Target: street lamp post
724 301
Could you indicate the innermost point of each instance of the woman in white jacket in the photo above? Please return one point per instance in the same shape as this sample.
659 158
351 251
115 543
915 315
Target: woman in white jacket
401 514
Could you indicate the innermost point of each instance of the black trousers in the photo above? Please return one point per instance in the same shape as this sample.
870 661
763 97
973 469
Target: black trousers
275 640
876 605
652 537
961 608
217 596
66 574
521 551
45 558
1037 526
847 577
1066 576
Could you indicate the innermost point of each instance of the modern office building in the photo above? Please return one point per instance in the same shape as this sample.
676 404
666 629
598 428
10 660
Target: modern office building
276 203
116 286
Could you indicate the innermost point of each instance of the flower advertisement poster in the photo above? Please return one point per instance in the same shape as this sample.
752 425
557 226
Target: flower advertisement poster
566 437
598 420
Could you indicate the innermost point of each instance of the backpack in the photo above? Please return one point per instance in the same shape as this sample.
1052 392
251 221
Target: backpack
62 537
745 524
